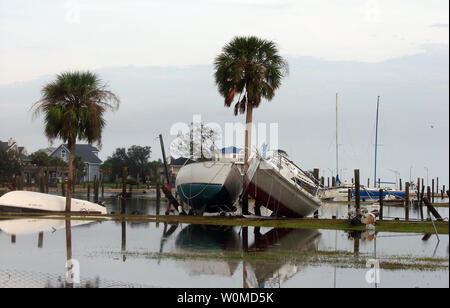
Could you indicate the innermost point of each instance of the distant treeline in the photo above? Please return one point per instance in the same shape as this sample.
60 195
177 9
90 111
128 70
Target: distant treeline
136 159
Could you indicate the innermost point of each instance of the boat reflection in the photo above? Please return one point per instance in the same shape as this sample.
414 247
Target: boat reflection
260 274
207 240
25 226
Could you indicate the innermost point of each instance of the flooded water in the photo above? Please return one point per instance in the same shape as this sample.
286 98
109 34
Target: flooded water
34 252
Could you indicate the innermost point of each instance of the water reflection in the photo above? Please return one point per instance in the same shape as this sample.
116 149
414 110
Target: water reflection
274 274
198 255
202 239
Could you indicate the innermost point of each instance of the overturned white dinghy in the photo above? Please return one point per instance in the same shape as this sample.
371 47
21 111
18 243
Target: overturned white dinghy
28 201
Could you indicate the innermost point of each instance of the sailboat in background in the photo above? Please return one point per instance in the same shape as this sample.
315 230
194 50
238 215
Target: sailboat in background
339 192
373 193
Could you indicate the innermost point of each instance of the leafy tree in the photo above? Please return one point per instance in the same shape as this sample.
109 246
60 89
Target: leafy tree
138 158
40 159
73 107
10 166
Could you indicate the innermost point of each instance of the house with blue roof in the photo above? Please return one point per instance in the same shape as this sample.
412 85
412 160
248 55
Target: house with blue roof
88 154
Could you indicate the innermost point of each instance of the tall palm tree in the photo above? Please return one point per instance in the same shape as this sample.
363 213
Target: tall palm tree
73 107
252 68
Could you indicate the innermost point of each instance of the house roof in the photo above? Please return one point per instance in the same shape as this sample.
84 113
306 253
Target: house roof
86 152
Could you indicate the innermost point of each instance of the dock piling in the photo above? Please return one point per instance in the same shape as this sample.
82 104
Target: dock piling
381 203
357 192
407 201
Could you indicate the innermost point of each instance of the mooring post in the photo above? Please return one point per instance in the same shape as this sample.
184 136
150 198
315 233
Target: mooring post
432 191
95 189
421 194
63 187
401 186
124 182
322 181
381 203
407 201
437 186
88 195
368 182
328 181
103 189
41 181
124 190
443 191
316 177
333 181
357 192
429 198
158 191
379 182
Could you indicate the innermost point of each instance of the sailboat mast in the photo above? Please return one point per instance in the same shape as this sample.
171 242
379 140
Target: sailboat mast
337 144
376 143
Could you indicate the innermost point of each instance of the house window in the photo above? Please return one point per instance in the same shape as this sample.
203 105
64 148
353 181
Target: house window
63 155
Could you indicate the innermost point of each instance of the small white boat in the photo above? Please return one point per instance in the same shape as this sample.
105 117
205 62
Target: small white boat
210 186
28 201
279 185
336 193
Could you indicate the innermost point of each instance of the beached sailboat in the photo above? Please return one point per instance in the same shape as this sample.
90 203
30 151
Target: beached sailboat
281 186
29 201
210 186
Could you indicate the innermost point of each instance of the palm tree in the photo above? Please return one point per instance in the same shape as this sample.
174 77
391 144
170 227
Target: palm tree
73 107
252 68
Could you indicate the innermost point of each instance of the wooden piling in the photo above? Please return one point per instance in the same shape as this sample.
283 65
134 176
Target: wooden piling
333 181
401 186
432 191
96 186
379 182
381 203
407 201
322 181
103 189
158 191
328 181
368 182
63 187
357 192
124 182
41 181
443 191
421 194
88 194
316 177
429 198
437 186
316 174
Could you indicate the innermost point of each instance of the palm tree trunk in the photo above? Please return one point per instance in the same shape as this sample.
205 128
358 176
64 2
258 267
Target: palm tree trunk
248 135
70 176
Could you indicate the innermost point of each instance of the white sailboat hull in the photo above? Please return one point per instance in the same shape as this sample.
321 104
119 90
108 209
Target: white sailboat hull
278 192
29 201
210 186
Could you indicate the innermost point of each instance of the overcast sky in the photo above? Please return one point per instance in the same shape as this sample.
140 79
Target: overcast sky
157 55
